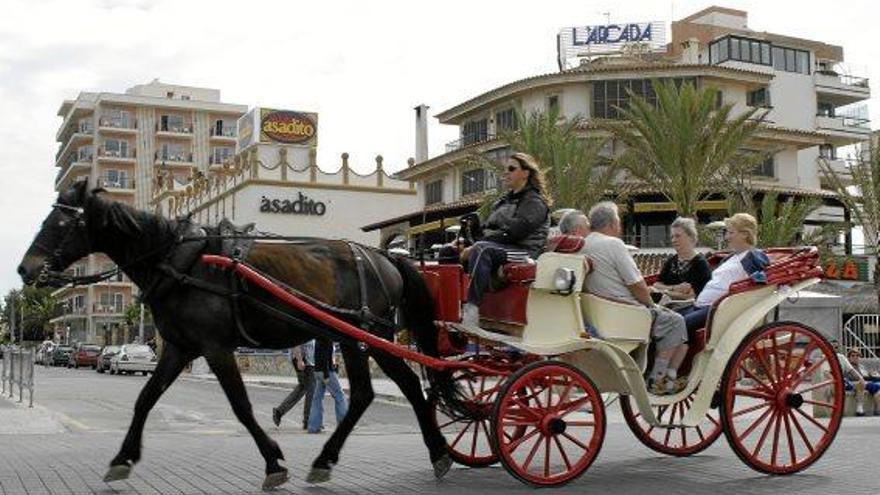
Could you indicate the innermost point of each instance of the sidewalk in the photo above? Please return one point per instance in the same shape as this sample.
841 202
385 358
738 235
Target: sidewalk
383 388
19 419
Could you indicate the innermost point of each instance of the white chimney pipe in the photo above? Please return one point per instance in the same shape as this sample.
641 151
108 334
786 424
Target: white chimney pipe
421 133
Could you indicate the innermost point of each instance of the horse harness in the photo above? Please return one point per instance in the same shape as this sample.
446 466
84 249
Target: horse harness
235 242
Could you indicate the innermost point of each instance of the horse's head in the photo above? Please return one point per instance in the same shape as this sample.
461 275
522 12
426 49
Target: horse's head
62 239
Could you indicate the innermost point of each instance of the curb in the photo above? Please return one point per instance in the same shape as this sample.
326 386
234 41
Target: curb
399 399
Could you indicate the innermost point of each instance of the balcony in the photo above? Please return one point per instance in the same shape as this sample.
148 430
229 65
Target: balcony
118 124
112 183
224 133
173 158
110 155
174 130
847 129
107 309
468 140
841 89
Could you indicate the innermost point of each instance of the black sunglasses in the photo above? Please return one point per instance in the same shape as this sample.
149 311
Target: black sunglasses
513 168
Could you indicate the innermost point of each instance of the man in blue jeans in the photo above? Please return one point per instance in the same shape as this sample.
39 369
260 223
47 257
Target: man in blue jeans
326 378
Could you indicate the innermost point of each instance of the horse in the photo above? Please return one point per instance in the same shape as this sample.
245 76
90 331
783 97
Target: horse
196 318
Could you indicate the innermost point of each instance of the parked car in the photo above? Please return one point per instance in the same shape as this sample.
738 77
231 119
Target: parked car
60 356
85 355
105 356
133 358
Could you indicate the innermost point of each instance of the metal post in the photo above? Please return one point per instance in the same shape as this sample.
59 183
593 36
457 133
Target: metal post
12 318
20 374
141 326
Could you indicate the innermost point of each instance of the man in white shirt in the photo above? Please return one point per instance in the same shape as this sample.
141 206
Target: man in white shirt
616 276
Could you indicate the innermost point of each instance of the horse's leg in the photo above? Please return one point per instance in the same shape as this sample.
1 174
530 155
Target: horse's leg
171 363
222 363
361 390
405 378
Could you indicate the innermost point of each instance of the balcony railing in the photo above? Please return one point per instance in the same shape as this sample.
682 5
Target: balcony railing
843 122
846 80
185 128
467 141
107 309
118 122
182 157
85 128
218 160
223 132
126 153
115 182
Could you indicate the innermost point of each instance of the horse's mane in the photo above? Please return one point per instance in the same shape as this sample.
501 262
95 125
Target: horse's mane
148 231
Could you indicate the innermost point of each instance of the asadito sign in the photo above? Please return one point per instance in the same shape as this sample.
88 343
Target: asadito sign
267 125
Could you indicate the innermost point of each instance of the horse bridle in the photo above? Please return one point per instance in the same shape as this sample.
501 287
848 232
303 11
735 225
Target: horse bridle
76 220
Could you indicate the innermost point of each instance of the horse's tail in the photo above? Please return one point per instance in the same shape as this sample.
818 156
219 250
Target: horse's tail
417 310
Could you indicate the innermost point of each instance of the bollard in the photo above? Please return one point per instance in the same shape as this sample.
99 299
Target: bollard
20 375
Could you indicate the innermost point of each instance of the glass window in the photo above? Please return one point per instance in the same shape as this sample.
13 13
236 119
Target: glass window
553 103
713 53
756 52
765 169
789 60
434 192
722 49
778 58
734 49
765 53
475 132
473 181
506 120
803 62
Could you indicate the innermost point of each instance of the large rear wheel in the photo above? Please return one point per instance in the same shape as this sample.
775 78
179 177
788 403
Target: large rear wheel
548 423
782 398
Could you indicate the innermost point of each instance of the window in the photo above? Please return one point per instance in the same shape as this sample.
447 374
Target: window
765 168
758 98
552 103
174 152
115 147
116 178
609 96
223 128
505 120
653 236
173 123
828 151
111 302
474 132
741 50
220 154
115 117
434 192
79 302
84 154
824 109
473 181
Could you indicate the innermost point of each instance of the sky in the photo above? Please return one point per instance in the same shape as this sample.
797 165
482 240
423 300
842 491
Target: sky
362 66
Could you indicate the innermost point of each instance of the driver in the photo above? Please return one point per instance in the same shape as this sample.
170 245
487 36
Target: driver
518 223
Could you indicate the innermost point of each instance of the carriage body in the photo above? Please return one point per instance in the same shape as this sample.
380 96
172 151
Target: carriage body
739 360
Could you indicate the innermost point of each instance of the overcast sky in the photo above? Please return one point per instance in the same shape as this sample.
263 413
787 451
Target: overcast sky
361 65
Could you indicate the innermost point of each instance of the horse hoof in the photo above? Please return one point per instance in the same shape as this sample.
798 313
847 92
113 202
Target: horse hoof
318 475
275 480
117 472
442 466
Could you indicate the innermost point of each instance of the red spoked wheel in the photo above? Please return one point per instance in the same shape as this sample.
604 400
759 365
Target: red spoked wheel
548 423
468 438
782 398
680 441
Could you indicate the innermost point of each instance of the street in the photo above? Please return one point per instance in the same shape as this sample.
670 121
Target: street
193 444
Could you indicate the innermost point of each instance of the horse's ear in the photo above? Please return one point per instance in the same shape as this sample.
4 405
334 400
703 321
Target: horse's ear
80 191
98 190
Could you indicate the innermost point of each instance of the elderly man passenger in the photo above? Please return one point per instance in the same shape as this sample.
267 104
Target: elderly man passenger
616 276
741 236
574 223
686 272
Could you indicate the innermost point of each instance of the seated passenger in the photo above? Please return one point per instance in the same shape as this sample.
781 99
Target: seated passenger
616 276
856 379
741 236
685 273
573 228
519 221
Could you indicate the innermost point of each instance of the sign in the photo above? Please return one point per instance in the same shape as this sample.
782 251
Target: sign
288 127
847 269
246 130
300 206
583 41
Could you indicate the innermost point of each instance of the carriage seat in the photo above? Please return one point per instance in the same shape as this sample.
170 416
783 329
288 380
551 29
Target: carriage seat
617 321
519 273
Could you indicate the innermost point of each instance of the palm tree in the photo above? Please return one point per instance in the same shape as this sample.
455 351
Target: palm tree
780 224
859 191
38 307
685 145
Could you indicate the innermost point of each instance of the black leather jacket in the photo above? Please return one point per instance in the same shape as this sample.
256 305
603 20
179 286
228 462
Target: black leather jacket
519 219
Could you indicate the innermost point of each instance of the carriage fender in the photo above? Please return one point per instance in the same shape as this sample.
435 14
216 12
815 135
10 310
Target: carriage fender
728 342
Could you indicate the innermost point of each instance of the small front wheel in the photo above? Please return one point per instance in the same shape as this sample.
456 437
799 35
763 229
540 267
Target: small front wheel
548 423
782 398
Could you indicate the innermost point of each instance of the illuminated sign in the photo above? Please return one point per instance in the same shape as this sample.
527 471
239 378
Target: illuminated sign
847 269
283 126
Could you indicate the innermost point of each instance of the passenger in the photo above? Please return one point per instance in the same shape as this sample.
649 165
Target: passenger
519 221
616 276
856 379
741 236
686 272
573 228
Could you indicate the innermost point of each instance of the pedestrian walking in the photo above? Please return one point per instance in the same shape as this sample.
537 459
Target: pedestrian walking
303 358
326 378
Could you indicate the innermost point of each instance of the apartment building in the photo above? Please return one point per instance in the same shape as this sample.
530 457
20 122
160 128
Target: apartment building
119 141
814 108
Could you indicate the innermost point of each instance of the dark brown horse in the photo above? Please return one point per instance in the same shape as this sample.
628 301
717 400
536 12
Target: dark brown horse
197 317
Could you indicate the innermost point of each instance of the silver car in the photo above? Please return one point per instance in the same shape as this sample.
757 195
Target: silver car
133 358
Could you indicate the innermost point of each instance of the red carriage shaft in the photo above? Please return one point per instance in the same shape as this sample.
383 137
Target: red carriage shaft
348 329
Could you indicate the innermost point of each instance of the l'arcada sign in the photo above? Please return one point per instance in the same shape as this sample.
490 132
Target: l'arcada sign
300 206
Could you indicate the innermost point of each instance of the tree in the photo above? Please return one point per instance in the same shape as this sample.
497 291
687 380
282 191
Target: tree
38 308
685 145
859 191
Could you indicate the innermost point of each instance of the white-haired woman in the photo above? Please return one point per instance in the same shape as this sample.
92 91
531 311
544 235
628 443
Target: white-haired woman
686 272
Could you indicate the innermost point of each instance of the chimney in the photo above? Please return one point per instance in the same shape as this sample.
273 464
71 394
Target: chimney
421 133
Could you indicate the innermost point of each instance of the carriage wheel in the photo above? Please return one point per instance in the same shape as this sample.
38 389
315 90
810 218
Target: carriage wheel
468 439
782 398
548 423
680 441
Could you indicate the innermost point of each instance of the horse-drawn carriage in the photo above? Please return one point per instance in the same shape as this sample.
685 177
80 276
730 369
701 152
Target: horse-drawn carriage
534 376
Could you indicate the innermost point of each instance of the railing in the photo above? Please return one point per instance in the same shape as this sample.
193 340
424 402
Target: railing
118 122
127 153
18 369
861 82
848 121
862 332
219 160
223 132
467 141
116 182
183 157
177 128
85 128
105 309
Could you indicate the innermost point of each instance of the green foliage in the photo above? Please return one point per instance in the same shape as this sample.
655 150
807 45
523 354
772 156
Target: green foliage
33 309
859 191
780 224
132 314
685 146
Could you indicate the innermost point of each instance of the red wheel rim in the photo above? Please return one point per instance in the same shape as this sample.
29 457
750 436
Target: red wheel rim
679 441
549 423
783 398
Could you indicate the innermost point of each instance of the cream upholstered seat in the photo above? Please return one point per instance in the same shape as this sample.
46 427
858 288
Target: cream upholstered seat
619 322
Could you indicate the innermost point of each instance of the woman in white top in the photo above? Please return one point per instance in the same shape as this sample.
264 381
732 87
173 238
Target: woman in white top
741 236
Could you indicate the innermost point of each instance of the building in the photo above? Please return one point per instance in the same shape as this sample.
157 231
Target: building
814 109
118 141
